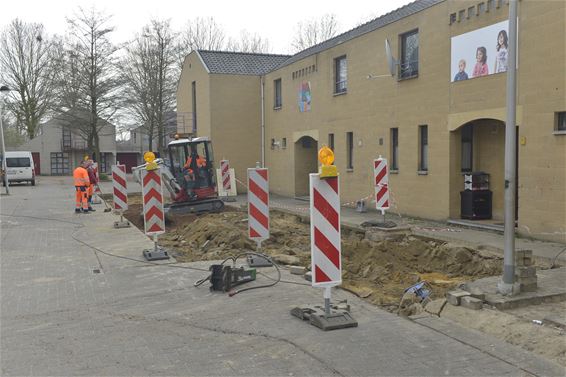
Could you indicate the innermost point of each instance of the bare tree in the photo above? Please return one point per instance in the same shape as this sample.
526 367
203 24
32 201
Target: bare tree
88 85
25 67
312 32
150 75
248 42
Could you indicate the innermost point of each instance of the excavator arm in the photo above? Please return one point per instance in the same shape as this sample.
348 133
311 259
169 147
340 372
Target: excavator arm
169 181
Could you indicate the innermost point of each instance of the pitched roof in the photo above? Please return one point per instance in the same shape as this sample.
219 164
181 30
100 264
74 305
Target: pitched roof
370 26
240 63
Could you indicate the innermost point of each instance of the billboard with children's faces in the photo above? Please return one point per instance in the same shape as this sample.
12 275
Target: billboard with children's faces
480 52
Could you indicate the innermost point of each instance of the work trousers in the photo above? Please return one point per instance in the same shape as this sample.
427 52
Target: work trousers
90 191
81 198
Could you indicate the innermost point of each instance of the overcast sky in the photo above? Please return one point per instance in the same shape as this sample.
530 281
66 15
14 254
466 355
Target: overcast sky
273 20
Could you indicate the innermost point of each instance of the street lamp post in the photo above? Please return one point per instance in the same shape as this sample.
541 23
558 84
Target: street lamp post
3 90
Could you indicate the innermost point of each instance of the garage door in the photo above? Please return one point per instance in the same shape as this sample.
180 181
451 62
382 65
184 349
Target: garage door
128 159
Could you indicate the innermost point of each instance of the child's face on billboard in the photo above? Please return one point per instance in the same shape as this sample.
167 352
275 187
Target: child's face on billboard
462 66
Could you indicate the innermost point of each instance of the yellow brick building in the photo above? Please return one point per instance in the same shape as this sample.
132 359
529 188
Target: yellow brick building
432 128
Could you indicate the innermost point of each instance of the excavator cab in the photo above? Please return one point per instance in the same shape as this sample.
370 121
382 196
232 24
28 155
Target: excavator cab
192 167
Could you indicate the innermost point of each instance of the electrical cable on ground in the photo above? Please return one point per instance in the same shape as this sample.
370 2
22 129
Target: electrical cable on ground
553 265
81 225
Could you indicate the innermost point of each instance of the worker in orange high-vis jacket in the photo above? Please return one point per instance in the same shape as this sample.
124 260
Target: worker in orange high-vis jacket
82 183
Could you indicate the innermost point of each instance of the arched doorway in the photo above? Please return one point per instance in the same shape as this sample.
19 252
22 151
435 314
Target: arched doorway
306 162
478 146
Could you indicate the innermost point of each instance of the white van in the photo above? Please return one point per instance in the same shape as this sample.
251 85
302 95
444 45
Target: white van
20 167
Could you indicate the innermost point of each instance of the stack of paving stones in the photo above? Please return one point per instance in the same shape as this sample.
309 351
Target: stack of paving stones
525 272
471 300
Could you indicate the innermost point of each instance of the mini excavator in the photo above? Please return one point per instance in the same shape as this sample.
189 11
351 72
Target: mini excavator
189 176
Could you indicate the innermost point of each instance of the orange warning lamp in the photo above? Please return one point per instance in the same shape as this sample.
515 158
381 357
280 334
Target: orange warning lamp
149 158
326 158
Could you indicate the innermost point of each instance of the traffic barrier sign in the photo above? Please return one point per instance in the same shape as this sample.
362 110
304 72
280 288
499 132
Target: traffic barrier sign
381 184
120 194
120 187
258 204
153 212
225 170
326 258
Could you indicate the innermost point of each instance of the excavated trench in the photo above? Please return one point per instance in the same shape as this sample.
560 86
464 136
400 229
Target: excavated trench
378 271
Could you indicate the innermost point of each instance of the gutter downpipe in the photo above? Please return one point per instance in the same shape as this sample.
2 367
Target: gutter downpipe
262 84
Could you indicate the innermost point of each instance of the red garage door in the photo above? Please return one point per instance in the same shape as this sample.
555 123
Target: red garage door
128 159
36 162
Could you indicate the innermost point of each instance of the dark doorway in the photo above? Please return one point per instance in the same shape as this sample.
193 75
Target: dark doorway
306 162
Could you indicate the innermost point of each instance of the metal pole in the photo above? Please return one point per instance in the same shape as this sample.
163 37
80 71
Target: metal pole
4 165
262 82
506 286
327 293
155 243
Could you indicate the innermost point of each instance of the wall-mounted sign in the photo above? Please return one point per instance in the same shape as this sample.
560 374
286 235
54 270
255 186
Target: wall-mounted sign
480 52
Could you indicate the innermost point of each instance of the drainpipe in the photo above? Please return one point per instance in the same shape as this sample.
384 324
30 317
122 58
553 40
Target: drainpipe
262 85
507 285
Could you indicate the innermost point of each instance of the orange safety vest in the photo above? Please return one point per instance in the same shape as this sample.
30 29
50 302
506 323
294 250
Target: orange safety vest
80 175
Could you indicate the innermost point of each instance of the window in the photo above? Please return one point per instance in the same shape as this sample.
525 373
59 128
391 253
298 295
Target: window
277 102
409 66
561 121
467 147
59 163
471 11
461 15
194 92
350 150
490 5
18 162
66 138
481 8
284 143
331 141
423 148
102 165
341 75
452 18
394 149
272 143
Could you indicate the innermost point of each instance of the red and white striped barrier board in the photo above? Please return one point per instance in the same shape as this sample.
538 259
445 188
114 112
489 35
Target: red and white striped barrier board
258 204
152 192
120 188
225 170
381 183
326 254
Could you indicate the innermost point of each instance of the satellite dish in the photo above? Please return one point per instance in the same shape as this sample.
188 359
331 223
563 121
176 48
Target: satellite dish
391 61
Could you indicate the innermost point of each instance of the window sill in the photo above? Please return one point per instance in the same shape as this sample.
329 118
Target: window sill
422 172
559 132
407 77
277 108
340 93
349 170
394 171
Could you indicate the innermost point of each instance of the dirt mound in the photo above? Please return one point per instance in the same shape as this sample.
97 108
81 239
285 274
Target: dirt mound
378 271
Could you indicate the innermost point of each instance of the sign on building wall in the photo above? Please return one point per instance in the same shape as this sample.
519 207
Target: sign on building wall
305 96
480 52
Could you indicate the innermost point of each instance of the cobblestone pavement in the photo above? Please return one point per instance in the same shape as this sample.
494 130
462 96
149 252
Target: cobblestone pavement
60 317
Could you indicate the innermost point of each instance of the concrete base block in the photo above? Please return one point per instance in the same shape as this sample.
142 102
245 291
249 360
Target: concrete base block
121 224
507 289
454 297
308 276
524 272
531 287
471 303
477 293
527 281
